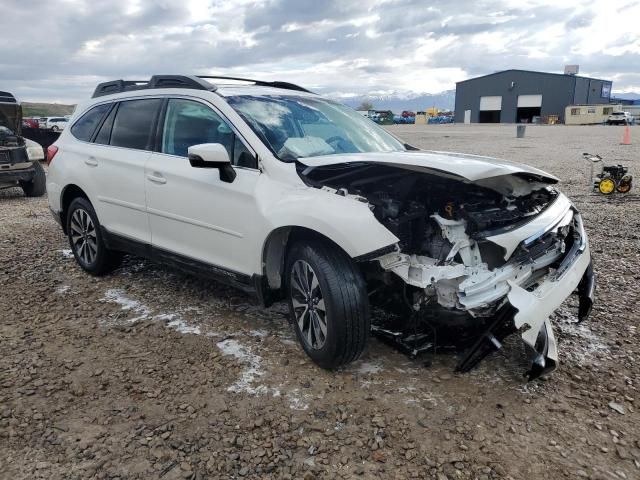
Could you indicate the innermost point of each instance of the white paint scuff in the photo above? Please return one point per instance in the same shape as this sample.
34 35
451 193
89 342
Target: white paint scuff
178 324
173 320
369 368
128 304
252 370
183 327
66 253
296 401
588 345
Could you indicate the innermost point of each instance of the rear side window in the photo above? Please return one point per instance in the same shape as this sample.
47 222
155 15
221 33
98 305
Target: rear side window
83 129
104 134
133 123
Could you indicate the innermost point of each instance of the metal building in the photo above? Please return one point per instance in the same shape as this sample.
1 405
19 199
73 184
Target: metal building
513 96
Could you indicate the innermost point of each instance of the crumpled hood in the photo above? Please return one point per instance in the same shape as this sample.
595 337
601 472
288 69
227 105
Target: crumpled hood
470 167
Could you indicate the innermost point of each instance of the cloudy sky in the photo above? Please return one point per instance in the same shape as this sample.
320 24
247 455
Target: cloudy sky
57 50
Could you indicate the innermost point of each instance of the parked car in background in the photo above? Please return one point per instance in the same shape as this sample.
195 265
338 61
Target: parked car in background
402 119
291 196
42 123
57 124
30 123
619 118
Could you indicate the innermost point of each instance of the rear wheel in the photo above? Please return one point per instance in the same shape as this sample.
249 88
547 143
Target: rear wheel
85 239
37 186
328 303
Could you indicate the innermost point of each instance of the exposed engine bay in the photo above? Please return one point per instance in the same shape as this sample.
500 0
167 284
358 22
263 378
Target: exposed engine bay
12 148
465 248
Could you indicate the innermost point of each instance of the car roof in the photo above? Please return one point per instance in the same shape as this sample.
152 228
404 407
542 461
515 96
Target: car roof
221 91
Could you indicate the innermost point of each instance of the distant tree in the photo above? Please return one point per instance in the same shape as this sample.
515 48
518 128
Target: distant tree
364 106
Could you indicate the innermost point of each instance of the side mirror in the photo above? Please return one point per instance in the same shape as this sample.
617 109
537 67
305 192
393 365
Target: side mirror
212 155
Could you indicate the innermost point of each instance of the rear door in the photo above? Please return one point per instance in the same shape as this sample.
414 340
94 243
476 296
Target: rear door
191 211
113 162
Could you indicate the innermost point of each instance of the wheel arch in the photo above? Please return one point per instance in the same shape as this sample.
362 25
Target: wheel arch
276 246
69 193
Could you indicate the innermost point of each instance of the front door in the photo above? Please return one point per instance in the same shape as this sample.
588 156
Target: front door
191 211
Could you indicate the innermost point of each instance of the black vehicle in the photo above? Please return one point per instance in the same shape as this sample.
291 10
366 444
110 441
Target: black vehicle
16 169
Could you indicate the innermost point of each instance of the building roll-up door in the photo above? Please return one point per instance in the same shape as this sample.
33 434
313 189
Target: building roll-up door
491 103
490 109
529 108
528 101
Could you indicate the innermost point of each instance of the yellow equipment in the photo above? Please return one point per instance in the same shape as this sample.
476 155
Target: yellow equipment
606 186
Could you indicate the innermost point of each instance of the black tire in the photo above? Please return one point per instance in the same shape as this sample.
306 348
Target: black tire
95 258
37 186
346 303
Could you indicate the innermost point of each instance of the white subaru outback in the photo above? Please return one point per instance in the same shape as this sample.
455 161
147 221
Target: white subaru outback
287 195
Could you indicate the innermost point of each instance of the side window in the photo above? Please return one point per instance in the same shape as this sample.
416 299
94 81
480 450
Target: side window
133 123
190 123
242 157
83 128
104 134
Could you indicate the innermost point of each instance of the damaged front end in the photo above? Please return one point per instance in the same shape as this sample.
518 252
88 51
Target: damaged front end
476 260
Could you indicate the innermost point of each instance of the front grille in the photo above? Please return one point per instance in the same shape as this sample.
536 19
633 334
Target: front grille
4 158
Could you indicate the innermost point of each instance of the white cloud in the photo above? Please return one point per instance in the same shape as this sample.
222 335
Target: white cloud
60 50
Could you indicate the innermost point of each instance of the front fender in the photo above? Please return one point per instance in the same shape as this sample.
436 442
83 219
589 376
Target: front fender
346 221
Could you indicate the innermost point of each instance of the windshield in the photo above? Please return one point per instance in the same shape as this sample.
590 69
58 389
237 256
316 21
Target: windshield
295 127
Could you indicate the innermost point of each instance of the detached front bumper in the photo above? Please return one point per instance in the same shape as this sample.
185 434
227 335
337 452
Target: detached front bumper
528 311
535 307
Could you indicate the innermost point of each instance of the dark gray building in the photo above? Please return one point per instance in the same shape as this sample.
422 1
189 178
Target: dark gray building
514 96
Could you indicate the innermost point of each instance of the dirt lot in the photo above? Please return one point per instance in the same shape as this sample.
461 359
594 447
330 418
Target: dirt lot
149 373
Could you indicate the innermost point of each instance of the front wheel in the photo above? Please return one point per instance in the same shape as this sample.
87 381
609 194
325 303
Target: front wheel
85 239
328 303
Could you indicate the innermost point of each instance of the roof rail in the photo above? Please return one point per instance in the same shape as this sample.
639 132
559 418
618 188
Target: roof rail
156 81
198 82
262 83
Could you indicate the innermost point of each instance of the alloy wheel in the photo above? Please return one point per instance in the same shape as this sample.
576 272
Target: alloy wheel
83 236
308 305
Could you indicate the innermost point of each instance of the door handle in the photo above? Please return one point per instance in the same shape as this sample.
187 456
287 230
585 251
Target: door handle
157 179
91 161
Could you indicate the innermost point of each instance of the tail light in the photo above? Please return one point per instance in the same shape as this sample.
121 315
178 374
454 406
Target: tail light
51 152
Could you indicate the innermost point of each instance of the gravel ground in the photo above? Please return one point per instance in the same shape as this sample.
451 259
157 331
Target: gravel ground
149 373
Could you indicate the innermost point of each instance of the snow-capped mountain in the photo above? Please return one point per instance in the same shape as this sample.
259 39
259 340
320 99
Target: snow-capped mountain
399 102
626 95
